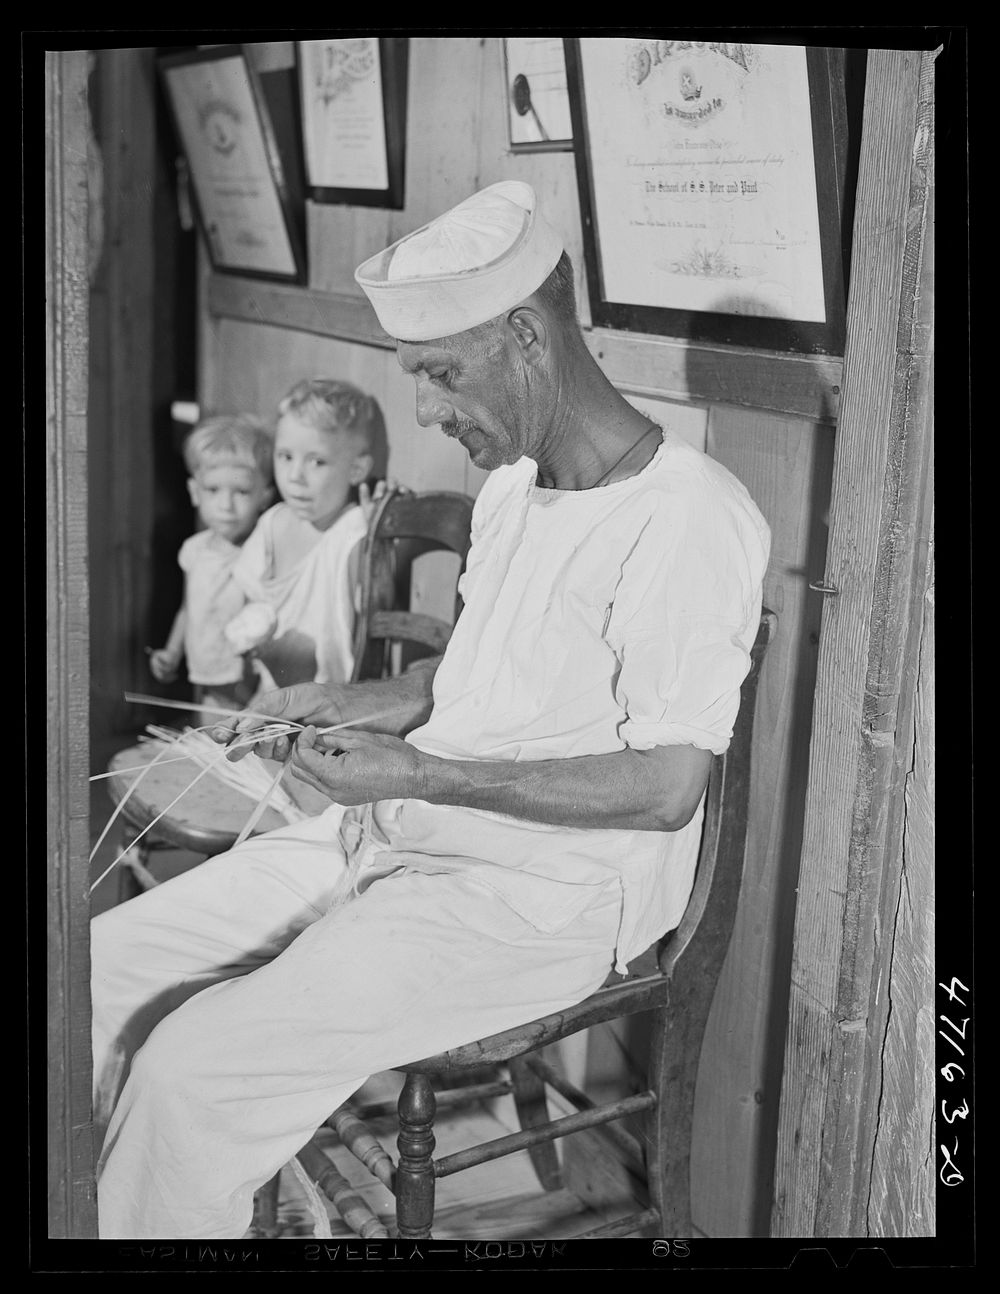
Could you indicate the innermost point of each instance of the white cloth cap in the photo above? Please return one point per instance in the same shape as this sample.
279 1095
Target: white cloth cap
476 261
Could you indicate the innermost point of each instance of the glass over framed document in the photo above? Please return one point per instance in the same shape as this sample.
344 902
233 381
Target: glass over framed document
238 183
353 97
710 190
536 95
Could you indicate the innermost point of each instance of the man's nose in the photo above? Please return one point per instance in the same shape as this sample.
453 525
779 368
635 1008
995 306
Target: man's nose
431 408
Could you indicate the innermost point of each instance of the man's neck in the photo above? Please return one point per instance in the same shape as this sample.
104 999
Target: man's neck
592 427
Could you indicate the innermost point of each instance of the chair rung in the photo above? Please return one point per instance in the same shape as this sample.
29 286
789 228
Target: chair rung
501 1146
342 1195
363 1145
623 1227
142 874
624 1140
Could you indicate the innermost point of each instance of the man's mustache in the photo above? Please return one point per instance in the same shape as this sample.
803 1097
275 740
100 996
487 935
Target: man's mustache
459 426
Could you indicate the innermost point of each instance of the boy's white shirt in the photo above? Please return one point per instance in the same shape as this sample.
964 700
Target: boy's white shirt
211 599
314 602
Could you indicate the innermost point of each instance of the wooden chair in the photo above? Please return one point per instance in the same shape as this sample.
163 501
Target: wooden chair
404 527
675 982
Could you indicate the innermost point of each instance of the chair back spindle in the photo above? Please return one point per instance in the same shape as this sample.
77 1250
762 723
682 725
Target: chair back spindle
403 527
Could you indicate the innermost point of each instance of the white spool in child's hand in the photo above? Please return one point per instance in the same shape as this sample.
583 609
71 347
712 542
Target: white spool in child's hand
254 626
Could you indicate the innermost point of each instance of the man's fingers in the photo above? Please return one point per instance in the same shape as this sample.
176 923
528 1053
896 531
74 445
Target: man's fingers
343 739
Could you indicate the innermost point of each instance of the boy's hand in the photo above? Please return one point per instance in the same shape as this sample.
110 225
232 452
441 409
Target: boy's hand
369 498
164 665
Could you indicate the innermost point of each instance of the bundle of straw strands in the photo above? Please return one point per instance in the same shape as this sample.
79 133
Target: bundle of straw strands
250 776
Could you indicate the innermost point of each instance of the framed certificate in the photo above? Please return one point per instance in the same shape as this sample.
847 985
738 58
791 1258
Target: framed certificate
238 183
710 183
353 97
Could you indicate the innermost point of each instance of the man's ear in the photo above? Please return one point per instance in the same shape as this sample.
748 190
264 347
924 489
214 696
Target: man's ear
530 333
192 485
361 468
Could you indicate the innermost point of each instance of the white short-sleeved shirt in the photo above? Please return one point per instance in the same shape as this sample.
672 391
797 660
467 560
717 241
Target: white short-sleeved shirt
594 621
211 599
314 602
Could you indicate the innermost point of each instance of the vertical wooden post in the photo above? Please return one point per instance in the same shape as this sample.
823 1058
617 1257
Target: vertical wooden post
72 1208
123 308
836 1044
415 1169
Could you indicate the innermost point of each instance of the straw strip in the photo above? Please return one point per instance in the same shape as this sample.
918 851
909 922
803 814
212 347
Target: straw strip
141 699
136 768
121 803
321 1219
187 788
254 818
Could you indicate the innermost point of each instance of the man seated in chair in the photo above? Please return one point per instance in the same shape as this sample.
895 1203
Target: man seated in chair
505 829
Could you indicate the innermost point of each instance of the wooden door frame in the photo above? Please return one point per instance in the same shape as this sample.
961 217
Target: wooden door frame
877 563
72 1210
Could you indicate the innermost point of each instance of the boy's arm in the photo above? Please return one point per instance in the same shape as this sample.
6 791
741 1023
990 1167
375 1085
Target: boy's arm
165 663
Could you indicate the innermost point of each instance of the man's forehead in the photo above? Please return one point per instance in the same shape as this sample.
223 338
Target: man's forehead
416 355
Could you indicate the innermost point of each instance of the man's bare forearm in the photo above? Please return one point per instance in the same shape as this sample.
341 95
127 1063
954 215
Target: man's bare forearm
655 790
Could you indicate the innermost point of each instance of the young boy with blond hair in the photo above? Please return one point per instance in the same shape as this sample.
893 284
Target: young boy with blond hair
229 459
299 568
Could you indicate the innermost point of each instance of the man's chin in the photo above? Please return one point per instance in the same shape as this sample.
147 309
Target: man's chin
485 457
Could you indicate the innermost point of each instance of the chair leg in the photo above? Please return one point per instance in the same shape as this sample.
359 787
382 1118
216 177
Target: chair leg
265 1209
415 1169
128 886
675 1049
134 876
532 1110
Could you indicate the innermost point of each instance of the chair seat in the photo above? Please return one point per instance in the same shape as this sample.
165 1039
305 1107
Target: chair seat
617 997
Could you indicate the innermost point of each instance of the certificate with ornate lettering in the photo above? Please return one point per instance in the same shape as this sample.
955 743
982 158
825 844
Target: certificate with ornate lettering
353 97
236 173
701 179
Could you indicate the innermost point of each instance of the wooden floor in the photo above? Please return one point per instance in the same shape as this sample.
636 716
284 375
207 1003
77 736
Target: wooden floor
501 1200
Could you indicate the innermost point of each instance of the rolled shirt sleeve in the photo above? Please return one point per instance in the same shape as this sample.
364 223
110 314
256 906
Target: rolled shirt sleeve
684 621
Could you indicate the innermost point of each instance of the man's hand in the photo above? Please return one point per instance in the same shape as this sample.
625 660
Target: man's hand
354 767
304 703
393 706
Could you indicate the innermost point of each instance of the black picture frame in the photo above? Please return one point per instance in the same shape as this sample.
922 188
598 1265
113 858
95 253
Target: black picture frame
264 235
831 156
394 64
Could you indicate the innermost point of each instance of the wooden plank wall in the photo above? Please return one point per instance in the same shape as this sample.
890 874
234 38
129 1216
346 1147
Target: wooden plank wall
856 1105
899 1189
71 1192
769 417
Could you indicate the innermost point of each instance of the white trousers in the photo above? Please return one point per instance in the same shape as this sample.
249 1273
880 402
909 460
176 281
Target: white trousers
234 1010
